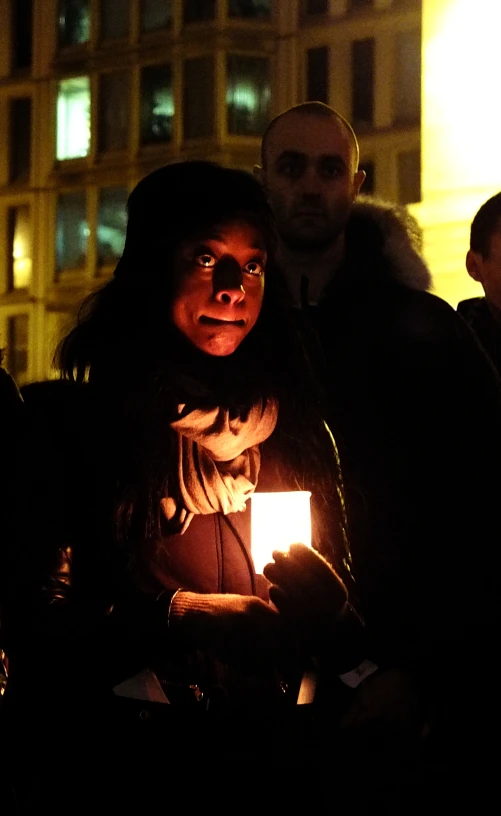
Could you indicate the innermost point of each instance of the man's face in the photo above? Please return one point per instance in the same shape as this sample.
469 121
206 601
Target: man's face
311 178
487 271
220 286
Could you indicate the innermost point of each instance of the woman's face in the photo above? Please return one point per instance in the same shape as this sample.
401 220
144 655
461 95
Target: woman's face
219 286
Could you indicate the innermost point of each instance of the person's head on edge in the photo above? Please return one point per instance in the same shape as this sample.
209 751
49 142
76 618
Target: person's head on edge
483 259
197 242
309 168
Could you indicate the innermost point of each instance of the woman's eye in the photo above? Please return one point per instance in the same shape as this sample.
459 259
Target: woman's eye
254 268
206 260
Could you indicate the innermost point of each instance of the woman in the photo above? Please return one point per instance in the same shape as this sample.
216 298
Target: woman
184 383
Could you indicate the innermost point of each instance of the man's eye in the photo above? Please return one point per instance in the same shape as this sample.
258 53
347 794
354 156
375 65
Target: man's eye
291 169
206 260
330 170
254 268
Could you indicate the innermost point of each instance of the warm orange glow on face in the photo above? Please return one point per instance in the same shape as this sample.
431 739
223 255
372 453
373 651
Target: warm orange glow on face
277 521
220 287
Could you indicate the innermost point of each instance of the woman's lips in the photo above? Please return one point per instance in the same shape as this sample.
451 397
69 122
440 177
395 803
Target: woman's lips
216 321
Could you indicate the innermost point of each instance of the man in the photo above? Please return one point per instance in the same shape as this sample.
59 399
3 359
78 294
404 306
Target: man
483 262
415 410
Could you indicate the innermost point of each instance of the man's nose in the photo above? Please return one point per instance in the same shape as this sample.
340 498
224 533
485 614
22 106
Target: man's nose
227 281
311 183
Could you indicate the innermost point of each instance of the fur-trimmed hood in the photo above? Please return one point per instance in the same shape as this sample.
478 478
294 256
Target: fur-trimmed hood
377 226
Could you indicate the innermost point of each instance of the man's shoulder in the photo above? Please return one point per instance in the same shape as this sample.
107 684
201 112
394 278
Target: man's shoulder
41 392
9 392
471 307
423 311
58 405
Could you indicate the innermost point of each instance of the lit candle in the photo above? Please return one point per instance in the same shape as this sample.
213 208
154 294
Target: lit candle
277 521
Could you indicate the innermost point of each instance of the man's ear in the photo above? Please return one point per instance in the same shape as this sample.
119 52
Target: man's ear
474 265
259 173
358 180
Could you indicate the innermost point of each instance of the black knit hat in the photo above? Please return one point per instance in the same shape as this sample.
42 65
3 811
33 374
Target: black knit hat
178 200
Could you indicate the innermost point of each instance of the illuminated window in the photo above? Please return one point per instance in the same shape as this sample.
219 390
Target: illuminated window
19 139
73 22
156 14
17 347
316 6
409 176
249 8
19 247
72 231
114 111
368 185
22 34
318 74
362 71
198 98
73 118
247 95
157 104
111 224
195 11
408 76
114 19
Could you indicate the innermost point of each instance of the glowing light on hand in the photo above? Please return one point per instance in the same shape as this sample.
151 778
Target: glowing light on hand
277 521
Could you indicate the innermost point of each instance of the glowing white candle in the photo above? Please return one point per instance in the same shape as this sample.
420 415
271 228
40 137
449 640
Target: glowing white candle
277 521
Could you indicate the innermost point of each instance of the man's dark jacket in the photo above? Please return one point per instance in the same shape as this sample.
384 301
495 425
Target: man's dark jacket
485 322
415 408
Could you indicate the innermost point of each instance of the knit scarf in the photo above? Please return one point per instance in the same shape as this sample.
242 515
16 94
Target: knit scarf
218 460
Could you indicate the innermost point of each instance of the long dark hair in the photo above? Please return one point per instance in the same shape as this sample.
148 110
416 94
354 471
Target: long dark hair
141 366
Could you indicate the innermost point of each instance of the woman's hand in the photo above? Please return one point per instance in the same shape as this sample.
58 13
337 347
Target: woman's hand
305 588
313 602
240 629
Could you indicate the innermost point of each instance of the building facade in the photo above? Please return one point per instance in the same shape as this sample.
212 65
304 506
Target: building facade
96 93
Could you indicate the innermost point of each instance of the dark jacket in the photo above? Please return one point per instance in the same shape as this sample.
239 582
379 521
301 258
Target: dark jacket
11 413
485 322
78 591
416 410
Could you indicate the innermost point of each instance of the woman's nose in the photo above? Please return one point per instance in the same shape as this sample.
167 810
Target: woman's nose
227 281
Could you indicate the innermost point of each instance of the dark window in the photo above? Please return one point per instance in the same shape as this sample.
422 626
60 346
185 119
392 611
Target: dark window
114 19
247 95
20 139
157 104
316 6
111 224
354 5
156 14
318 74
72 231
368 185
409 176
19 261
408 76
73 22
22 34
114 111
250 8
362 70
17 347
195 11
198 98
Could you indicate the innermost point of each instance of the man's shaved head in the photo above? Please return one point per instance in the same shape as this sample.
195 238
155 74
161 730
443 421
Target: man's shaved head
311 109
310 171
